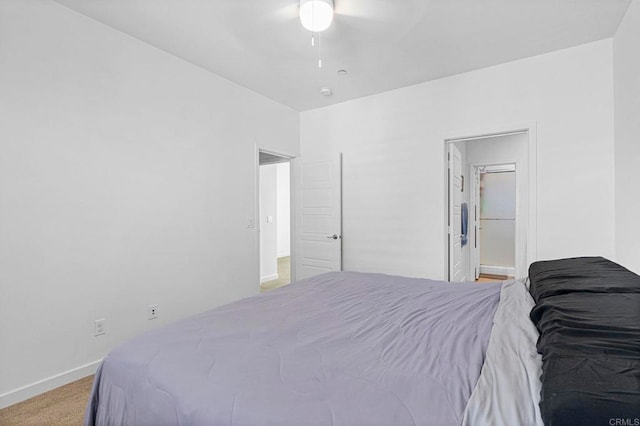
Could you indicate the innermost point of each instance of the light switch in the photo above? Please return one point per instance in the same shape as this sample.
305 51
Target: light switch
269 219
251 223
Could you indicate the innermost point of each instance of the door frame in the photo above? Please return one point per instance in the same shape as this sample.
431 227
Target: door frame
256 211
530 129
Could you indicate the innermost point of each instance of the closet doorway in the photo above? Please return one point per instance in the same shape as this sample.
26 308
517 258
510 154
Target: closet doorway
274 224
490 206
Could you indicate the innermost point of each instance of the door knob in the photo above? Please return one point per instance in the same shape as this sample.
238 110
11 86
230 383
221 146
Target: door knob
333 237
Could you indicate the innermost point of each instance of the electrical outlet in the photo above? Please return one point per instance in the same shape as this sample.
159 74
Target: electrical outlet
152 311
99 327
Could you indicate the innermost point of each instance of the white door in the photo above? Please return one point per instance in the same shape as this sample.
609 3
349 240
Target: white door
475 219
456 269
318 216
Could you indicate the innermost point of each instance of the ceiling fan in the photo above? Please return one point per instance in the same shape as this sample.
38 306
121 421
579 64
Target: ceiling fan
317 16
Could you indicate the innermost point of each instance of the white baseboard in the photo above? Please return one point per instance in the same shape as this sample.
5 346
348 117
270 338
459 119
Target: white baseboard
42 386
285 254
498 270
269 278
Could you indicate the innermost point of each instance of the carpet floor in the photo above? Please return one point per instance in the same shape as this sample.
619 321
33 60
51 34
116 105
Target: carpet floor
61 406
284 275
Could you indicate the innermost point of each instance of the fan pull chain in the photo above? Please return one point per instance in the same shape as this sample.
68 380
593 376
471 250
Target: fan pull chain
313 38
319 51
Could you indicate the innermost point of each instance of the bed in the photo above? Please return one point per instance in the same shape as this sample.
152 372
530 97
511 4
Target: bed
341 348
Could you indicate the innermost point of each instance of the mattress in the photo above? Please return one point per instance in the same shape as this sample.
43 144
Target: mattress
336 349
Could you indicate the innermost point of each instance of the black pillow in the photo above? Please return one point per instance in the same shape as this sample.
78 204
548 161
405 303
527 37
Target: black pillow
583 274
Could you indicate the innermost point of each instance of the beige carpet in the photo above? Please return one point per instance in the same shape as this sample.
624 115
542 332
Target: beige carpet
284 275
62 406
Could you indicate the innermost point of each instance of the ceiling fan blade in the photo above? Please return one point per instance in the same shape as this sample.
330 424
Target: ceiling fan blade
381 11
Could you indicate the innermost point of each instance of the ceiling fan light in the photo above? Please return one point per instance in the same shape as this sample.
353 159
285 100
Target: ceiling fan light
316 15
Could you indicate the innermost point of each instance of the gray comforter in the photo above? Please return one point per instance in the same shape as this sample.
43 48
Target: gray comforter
336 349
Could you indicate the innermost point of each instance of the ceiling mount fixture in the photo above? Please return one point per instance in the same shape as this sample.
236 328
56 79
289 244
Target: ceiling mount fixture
325 91
316 16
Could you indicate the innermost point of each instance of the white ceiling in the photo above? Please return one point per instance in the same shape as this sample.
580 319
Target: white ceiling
384 44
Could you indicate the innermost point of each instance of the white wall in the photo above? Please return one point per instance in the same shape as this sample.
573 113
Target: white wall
284 209
127 177
268 223
394 179
626 45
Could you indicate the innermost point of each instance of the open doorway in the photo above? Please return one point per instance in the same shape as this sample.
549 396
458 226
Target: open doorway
274 220
489 207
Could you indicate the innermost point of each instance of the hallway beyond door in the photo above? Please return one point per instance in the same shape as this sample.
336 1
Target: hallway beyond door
284 275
